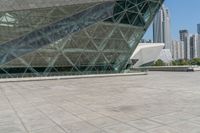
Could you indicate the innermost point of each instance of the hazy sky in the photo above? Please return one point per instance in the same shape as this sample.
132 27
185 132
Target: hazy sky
185 14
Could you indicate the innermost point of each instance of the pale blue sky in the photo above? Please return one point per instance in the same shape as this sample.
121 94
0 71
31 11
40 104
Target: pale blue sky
185 14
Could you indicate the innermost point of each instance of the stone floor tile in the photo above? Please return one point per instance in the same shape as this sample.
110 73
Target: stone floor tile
186 127
81 127
103 122
49 130
121 128
144 124
163 129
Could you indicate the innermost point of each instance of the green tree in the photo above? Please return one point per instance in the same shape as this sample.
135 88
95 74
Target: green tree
159 62
174 63
180 62
195 61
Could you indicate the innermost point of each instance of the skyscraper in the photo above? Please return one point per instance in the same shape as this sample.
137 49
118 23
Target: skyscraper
198 29
184 36
177 50
182 50
194 42
161 27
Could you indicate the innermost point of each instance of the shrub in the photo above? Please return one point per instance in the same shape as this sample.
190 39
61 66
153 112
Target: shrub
195 61
159 62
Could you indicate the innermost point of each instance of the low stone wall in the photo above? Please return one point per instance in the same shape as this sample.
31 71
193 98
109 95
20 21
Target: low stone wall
169 68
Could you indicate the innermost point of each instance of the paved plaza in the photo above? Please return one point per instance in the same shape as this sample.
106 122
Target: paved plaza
161 102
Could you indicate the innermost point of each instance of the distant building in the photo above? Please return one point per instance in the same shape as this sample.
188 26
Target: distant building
195 46
177 50
198 47
194 42
184 36
161 27
198 29
182 53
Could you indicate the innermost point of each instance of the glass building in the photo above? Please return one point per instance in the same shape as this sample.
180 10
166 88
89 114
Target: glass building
69 37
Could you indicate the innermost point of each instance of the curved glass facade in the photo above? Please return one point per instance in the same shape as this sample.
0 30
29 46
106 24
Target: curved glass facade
86 38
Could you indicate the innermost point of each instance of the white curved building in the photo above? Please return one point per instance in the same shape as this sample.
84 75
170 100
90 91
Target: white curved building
146 53
166 56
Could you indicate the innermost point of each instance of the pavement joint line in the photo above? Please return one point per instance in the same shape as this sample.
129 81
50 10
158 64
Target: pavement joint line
78 116
106 116
15 111
56 124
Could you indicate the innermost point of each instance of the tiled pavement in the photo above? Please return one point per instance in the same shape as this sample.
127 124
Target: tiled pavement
161 102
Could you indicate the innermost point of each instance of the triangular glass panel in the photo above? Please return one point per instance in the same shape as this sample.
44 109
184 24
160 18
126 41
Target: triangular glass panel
133 9
4 72
101 61
91 30
131 16
131 3
91 46
73 56
116 34
70 44
62 62
98 42
139 21
119 7
125 19
102 31
118 17
153 6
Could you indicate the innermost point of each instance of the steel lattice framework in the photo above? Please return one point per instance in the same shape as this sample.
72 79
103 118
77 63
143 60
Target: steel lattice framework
80 38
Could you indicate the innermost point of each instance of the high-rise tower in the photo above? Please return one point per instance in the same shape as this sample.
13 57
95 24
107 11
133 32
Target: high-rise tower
184 36
194 42
161 27
198 29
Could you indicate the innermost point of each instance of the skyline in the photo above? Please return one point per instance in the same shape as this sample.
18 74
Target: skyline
182 17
